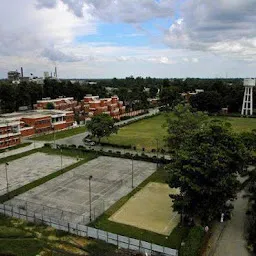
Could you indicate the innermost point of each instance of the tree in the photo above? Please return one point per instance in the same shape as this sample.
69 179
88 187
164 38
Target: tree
205 167
207 101
101 125
169 96
50 105
153 92
181 124
251 194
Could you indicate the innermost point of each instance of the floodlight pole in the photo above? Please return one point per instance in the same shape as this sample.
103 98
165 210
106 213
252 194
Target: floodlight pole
90 197
54 136
6 176
61 158
132 173
157 150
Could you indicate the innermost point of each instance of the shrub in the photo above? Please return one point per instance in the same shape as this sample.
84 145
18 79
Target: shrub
162 151
193 242
153 150
47 145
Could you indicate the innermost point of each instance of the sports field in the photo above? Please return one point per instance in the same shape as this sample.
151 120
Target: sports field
67 196
149 209
143 134
26 169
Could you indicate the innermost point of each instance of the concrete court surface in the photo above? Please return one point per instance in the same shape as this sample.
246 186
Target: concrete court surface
67 196
29 168
150 209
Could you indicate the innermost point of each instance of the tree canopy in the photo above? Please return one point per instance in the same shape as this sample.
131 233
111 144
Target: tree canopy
101 125
207 101
206 162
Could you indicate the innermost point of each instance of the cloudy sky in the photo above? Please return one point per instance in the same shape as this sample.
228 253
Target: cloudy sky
119 38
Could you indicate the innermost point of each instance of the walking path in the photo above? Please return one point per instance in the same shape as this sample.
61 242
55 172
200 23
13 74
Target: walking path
229 237
35 144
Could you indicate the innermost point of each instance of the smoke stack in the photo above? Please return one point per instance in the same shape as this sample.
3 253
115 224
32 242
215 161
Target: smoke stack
21 72
55 72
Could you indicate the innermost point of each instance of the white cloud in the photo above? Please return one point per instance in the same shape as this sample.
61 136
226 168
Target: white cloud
224 27
130 11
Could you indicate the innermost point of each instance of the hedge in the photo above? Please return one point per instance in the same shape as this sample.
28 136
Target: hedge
193 242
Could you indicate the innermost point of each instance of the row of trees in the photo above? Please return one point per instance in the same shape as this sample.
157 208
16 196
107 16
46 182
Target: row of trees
218 93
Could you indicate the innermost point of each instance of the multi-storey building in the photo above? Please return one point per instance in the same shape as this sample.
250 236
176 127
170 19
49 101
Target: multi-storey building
111 106
41 121
59 103
9 133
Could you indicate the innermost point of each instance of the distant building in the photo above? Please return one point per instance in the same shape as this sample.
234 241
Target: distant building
93 105
187 95
61 103
13 75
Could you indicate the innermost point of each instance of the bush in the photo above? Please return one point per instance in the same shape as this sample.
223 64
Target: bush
193 242
153 150
100 249
47 145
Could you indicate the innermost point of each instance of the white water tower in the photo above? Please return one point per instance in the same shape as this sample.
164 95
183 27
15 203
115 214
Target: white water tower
247 108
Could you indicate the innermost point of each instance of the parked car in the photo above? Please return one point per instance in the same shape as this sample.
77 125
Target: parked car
89 142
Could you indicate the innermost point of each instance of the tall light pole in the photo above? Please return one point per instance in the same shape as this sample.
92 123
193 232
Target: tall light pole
90 197
6 176
54 136
157 150
132 173
61 158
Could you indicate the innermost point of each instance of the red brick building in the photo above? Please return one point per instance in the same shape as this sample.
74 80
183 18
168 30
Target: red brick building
9 133
93 105
58 104
41 121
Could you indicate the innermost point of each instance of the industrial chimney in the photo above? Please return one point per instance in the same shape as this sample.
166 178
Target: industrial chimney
21 72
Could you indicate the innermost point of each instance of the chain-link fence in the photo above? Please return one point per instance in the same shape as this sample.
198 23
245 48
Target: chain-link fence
85 231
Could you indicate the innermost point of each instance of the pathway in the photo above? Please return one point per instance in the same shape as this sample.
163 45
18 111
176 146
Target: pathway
232 240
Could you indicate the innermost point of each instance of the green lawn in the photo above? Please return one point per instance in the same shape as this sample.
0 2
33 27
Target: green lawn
145 132
141 134
61 134
240 124
173 240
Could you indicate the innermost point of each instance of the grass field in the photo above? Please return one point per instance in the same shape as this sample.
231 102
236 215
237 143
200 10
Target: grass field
20 238
174 240
149 209
61 134
143 134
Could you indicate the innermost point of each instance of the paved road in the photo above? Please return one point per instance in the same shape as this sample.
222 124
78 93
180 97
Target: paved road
232 241
77 139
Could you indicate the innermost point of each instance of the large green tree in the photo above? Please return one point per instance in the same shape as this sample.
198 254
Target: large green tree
205 166
251 193
181 123
101 126
207 101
